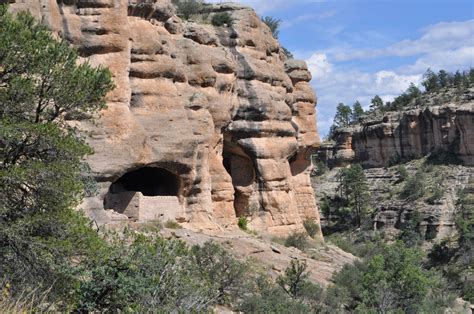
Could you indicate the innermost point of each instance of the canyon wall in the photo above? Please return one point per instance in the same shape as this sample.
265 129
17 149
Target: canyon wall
227 119
444 123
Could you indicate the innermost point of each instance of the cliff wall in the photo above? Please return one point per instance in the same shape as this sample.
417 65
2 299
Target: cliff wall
444 122
220 110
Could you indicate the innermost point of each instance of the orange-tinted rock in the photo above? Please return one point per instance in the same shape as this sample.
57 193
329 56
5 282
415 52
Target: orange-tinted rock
230 120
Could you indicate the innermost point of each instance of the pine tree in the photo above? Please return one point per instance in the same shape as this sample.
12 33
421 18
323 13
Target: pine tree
430 81
343 115
354 189
376 103
41 86
357 111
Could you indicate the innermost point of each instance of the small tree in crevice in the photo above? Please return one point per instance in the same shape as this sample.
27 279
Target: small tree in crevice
274 25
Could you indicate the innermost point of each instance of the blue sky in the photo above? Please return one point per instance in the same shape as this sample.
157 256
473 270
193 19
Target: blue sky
356 49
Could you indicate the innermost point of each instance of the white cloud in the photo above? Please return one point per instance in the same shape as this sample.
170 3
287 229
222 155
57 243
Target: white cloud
387 82
265 6
435 38
307 17
446 45
318 65
334 85
450 60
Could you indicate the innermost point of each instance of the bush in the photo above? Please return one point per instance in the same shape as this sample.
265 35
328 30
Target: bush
402 173
221 19
242 223
273 24
297 240
188 8
390 281
410 229
414 187
320 168
436 195
443 157
311 227
270 299
165 275
172 225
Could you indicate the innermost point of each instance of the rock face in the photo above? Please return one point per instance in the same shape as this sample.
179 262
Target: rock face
213 116
390 211
446 125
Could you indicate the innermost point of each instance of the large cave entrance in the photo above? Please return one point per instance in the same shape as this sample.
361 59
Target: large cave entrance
145 193
149 181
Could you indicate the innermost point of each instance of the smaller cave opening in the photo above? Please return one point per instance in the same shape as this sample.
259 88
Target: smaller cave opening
242 173
150 181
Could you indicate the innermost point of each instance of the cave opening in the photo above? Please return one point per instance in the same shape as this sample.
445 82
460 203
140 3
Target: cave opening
150 181
241 170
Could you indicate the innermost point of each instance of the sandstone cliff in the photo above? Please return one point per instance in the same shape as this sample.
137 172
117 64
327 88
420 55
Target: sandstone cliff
206 123
440 121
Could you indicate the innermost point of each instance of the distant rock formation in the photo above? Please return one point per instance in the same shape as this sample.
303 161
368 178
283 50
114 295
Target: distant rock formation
445 122
214 117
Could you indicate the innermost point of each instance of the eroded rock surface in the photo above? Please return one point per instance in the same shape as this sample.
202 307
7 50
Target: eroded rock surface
220 109
445 122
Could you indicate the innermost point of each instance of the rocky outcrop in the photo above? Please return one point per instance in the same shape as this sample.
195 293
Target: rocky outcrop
219 111
445 123
389 211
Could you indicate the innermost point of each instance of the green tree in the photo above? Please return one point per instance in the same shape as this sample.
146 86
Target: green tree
270 299
220 19
443 78
187 8
430 81
295 282
42 86
357 111
163 275
354 189
457 79
376 103
274 25
413 91
391 279
395 280
343 115
410 229
414 187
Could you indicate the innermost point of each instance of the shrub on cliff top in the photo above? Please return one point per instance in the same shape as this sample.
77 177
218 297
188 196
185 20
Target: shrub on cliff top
274 25
187 8
221 19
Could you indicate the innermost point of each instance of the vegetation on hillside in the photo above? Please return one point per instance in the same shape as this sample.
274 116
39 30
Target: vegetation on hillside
447 261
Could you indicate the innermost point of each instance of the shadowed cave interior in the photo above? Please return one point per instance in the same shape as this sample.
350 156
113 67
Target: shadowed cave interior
149 181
